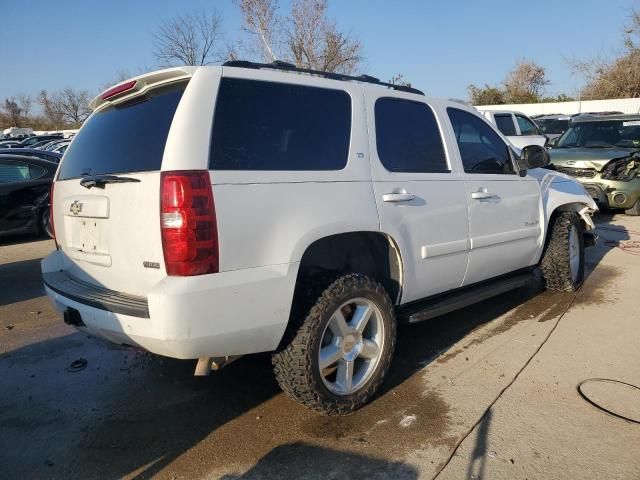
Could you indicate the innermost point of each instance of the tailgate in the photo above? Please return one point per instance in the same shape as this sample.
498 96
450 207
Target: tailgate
106 199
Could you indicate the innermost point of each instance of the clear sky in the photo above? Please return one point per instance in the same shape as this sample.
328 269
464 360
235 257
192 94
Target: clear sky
441 46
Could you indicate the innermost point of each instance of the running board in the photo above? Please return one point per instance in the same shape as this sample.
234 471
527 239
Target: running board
444 303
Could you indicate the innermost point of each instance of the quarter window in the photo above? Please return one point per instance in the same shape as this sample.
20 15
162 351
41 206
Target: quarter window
407 137
481 148
13 172
277 126
505 124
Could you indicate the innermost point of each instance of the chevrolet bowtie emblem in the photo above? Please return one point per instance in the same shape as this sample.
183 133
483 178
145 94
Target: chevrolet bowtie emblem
76 207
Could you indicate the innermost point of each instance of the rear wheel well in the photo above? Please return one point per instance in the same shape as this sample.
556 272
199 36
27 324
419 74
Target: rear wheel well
370 253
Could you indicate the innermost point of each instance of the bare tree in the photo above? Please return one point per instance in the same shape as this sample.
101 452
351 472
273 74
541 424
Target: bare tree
189 39
25 102
52 114
262 22
73 105
525 83
617 78
13 112
306 37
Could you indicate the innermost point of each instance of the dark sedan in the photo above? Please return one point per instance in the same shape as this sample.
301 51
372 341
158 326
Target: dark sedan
33 152
25 184
29 142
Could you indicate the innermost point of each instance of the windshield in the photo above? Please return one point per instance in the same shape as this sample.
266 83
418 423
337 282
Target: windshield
552 126
602 134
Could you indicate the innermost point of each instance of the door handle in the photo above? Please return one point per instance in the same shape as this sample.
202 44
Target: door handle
397 197
482 194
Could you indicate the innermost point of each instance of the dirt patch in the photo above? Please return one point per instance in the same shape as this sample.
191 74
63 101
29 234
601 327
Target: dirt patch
396 423
542 308
600 286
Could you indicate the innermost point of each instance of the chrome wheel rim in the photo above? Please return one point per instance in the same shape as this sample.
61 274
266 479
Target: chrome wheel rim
574 253
351 346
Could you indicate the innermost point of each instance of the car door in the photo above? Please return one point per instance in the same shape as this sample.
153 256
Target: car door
23 187
504 208
419 193
528 132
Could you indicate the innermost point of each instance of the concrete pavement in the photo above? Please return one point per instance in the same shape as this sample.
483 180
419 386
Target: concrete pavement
129 414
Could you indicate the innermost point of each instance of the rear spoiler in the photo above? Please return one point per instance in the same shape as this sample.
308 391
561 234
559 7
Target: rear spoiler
140 84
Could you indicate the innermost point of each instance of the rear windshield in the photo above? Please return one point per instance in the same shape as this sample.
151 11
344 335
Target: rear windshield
124 138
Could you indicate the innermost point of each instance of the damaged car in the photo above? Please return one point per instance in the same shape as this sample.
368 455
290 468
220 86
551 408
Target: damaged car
603 153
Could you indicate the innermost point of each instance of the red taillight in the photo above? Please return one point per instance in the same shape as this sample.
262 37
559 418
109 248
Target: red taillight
123 87
188 223
53 232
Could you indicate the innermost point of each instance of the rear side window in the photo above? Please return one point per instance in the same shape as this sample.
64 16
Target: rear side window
277 126
124 138
407 137
36 172
505 124
11 172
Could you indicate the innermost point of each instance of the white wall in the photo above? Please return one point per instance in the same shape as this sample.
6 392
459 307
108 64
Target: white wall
624 105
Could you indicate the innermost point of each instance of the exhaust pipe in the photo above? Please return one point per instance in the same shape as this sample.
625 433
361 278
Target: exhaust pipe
206 364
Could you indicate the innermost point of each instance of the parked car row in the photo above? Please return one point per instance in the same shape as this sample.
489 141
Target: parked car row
27 167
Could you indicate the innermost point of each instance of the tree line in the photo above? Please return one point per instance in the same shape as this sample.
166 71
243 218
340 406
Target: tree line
305 36
604 77
308 37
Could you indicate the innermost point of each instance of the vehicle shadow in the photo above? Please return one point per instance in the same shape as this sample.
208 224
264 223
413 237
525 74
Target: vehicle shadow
20 281
18 239
301 460
143 412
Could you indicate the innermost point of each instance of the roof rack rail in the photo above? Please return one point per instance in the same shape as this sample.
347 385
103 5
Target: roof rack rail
289 67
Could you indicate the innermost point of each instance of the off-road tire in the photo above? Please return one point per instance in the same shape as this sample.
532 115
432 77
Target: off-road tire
635 210
295 364
555 266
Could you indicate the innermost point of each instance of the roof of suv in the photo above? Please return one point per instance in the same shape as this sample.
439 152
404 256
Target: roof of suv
137 85
605 118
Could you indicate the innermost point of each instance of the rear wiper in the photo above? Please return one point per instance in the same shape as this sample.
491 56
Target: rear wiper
100 181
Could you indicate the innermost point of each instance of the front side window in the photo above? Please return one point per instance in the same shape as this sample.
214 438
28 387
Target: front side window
505 124
407 137
481 148
11 172
527 127
276 126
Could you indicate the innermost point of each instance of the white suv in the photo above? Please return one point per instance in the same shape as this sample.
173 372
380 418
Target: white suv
519 129
207 213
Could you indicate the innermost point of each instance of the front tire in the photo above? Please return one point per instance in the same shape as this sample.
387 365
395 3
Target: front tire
562 264
340 354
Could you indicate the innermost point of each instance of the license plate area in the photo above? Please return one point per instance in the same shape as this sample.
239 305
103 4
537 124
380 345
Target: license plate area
89 235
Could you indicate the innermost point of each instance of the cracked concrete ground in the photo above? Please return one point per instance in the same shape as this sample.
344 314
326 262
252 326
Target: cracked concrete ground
129 414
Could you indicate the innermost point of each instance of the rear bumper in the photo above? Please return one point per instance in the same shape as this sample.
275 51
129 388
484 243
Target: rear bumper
224 314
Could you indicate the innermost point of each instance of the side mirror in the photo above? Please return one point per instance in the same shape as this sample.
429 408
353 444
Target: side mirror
532 156
553 142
